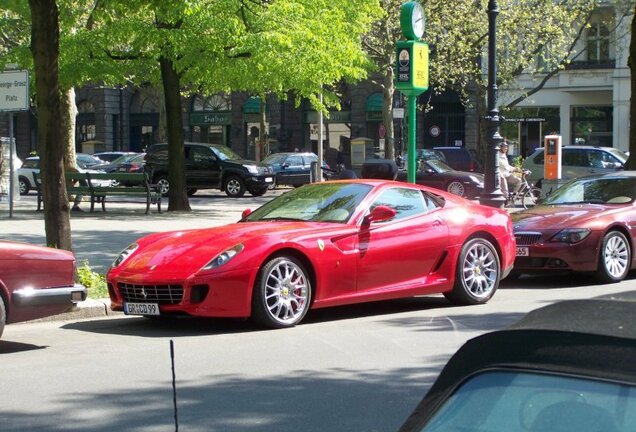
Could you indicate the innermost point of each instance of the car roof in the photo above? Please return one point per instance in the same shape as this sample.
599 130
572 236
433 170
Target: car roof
581 147
573 337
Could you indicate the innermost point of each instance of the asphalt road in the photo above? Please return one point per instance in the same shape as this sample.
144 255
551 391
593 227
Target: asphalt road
354 368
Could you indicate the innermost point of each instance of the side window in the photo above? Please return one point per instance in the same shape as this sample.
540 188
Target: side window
539 158
575 157
596 159
406 202
201 155
294 161
430 203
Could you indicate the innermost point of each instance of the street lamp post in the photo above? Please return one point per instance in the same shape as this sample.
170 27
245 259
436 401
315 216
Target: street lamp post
492 195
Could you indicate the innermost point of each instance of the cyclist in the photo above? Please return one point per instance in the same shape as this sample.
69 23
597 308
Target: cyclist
509 181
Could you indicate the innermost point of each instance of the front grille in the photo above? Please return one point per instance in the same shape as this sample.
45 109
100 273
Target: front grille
527 238
161 294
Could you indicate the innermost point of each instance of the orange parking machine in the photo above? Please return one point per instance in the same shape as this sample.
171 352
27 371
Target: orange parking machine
552 164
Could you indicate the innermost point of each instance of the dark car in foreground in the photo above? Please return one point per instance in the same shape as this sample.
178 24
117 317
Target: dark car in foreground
35 282
568 366
437 174
293 168
211 166
324 244
587 225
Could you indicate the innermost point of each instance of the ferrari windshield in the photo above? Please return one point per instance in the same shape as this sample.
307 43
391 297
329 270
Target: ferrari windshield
319 202
595 190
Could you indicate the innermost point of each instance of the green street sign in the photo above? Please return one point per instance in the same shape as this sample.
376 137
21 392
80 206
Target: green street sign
411 76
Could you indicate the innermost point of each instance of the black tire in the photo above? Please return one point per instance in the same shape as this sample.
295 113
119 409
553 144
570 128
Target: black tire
25 185
258 192
3 315
234 186
163 184
282 293
477 275
191 191
614 258
456 187
531 197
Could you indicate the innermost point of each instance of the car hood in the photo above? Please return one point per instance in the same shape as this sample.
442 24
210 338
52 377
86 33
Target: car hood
243 162
558 216
11 250
184 253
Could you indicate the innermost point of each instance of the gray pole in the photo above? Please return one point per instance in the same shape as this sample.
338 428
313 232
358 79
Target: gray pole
492 195
11 167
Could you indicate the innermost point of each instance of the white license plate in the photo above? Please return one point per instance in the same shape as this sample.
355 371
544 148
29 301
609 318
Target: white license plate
141 308
523 251
268 180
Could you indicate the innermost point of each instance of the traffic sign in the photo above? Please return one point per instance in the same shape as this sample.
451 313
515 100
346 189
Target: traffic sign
14 90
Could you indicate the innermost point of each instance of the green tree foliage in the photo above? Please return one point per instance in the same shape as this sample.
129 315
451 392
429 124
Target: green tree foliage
533 36
209 46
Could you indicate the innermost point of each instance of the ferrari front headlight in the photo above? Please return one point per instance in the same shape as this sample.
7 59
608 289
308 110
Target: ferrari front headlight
223 257
123 255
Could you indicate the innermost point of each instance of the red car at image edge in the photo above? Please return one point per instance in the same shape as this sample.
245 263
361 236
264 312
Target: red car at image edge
36 282
323 244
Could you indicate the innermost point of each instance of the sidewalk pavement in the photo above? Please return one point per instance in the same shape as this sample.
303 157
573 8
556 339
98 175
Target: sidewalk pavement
98 237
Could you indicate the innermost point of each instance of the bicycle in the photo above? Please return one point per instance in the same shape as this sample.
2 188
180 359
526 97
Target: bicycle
527 195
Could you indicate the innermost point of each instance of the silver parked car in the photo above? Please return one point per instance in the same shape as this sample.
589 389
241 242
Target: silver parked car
577 161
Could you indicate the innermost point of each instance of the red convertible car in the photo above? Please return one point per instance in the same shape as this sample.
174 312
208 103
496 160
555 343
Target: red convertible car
587 225
35 282
323 244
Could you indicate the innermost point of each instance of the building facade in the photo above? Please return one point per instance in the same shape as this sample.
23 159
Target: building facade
587 103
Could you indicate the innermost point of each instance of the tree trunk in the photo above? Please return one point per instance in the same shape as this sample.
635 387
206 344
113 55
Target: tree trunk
177 195
631 162
69 115
45 50
262 136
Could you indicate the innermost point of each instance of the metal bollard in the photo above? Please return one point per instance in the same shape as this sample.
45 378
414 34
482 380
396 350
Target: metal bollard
314 174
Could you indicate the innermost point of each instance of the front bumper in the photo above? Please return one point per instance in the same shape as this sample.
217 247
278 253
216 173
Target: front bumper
49 296
545 255
259 181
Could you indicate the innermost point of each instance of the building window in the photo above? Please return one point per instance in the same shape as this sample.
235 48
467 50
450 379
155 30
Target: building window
598 43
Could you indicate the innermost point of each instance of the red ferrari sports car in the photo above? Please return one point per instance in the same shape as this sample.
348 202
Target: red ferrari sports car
587 225
35 282
324 244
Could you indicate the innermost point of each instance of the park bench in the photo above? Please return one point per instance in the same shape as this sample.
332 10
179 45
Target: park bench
99 186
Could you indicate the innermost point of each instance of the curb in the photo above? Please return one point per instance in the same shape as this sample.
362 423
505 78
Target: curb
89 308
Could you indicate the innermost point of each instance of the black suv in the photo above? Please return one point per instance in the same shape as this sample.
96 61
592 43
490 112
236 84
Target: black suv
211 166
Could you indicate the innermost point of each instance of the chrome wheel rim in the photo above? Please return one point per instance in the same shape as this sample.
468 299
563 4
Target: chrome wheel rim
286 292
164 186
456 188
615 256
233 186
480 270
23 187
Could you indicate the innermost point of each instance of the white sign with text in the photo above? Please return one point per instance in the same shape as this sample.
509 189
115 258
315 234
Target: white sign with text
14 90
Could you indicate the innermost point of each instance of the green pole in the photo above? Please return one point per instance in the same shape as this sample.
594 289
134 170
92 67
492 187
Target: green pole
412 119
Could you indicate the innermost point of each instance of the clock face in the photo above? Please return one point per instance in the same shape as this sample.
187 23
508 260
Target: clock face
417 19
412 20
